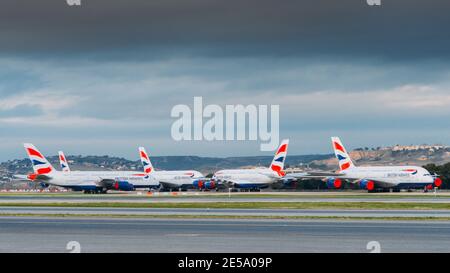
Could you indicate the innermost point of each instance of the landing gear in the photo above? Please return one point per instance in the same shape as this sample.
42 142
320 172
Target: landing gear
97 191
251 190
383 190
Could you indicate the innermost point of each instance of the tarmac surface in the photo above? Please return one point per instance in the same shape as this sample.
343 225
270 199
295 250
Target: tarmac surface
43 234
441 197
80 211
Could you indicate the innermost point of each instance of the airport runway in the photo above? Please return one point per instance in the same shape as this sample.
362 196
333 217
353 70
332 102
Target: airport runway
223 212
133 198
161 235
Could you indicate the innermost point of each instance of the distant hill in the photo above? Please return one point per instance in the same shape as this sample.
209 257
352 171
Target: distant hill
203 164
397 155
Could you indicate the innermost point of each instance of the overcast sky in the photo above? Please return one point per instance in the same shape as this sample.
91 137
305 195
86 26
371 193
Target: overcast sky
102 78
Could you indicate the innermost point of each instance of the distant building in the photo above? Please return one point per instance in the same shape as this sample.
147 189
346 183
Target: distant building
431 148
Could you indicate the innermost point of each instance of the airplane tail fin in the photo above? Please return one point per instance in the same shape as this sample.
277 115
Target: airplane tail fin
39 162
63 162
145 159
280 156
345 162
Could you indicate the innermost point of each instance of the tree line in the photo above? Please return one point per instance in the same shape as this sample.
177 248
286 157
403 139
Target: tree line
443 171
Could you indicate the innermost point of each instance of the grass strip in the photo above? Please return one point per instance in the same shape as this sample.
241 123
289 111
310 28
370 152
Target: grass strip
243 205
234 195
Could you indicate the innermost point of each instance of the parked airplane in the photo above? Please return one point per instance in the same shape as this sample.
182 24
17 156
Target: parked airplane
87 181
255 179
63 162
180 180
374 178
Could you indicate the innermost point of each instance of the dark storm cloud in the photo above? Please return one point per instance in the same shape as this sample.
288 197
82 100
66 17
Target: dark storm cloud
103 77
397 29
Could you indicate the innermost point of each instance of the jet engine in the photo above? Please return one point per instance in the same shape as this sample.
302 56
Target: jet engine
201 184
334 183
210 185
32 176
367 184
437 182
123 186
198 184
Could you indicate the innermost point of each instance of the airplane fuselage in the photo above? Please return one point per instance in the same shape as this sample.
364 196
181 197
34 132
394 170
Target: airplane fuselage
247 178
391 176
177 179
89 180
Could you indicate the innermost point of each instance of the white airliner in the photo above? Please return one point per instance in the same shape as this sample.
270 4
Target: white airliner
258 178
181 180
87 181
377 177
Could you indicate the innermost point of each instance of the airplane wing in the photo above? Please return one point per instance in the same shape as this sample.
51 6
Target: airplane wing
312 175
42 177
106 183
325 175
169 185
20 178
233 183
377 183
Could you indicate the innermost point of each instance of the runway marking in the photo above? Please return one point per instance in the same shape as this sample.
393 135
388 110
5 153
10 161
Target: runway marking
244 224
181 235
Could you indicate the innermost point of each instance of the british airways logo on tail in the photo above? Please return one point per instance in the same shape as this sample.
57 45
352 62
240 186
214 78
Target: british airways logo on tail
36 162
278 161
341 154
33 152
411 171
338 147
